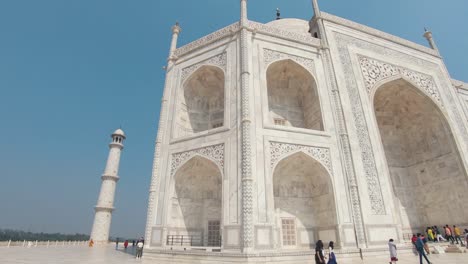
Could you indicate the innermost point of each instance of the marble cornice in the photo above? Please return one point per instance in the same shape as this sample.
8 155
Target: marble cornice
460 84
252 26
378 33
208 39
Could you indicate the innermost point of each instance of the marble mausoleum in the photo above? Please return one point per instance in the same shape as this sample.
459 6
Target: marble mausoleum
272 136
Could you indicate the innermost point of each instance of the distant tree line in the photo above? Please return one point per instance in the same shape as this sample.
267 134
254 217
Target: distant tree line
17 235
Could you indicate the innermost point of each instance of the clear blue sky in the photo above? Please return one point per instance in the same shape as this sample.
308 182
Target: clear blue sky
71 72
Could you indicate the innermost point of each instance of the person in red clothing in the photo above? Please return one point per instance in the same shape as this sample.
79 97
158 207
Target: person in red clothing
414 238
126 244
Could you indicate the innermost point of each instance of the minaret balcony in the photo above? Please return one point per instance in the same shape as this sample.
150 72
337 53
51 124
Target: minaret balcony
110 177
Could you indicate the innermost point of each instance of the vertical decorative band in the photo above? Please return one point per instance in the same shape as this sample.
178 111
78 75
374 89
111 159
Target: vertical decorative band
346 152
247 180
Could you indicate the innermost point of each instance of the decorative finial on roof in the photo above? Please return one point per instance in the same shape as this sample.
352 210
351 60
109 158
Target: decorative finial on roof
278 14
243 13
316 8
430 39
176 28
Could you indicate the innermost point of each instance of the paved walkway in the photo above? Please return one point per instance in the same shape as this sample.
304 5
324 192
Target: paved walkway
65 255
108 255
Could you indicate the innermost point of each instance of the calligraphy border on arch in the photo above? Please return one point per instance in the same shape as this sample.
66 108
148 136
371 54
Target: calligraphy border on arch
368 158
214 153
219 60
279 150
375 71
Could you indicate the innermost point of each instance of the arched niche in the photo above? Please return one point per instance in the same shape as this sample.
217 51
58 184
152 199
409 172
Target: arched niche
428 178
197 201
292 96
304 202
201 105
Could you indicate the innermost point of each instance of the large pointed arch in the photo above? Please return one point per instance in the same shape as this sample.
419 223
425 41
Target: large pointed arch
304 201
425 167
196 200
201 104
293 98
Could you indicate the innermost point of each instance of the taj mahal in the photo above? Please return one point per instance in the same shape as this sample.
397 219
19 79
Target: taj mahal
273 136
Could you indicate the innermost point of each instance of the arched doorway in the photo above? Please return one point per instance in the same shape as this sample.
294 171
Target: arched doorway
292 96
428 178
196 204
304 202
201 105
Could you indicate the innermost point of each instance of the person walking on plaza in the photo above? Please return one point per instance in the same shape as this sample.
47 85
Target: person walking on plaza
126 244
448 234
393 251
117 244
457 233
420 249
319 258
91 243
139 250
466 238
331 254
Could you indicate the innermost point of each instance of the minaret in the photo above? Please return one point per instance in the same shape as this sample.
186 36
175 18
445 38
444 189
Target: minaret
105 203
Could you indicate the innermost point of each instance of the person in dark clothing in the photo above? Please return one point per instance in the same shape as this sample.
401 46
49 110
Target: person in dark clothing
420 249
319 258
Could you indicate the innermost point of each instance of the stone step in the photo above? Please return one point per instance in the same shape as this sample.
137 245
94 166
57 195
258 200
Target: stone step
454 249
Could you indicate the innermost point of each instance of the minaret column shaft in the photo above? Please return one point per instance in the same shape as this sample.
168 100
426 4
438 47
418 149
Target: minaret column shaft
113 161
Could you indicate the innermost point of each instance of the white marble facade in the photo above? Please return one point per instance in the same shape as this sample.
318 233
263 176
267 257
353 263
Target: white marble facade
356 139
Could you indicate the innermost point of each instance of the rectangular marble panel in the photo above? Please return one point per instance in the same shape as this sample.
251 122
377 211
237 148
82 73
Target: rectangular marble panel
327 235
263 236
381 234
232 237
156 236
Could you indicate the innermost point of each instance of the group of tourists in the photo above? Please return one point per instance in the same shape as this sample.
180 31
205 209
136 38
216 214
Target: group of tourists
451 234
320 255
139 246
434 234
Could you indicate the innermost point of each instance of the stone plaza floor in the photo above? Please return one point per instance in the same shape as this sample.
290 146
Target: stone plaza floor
108 255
